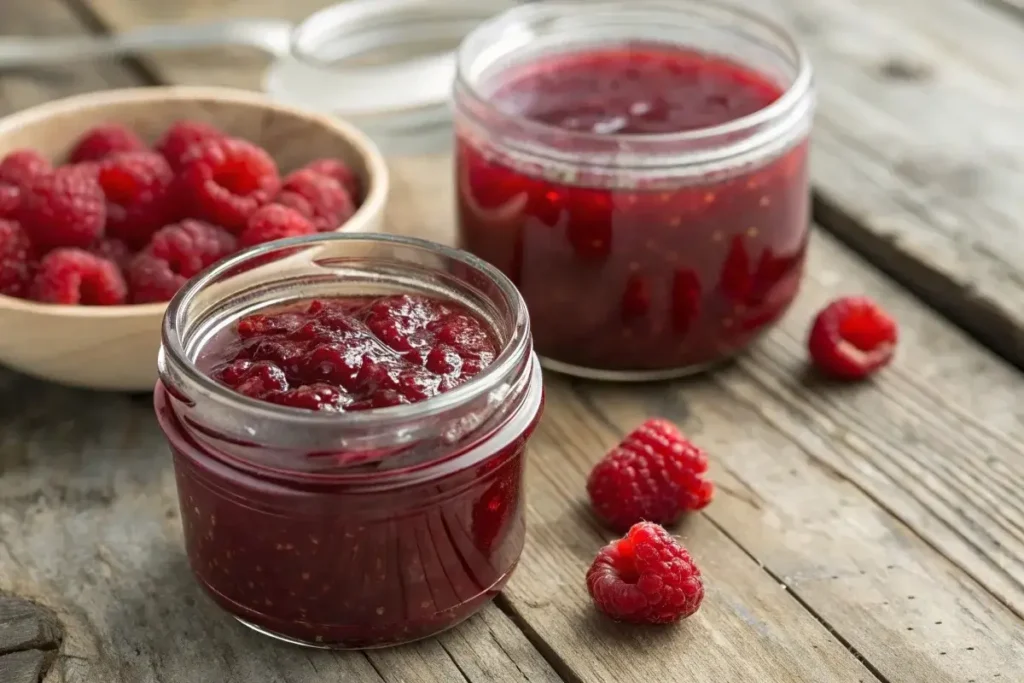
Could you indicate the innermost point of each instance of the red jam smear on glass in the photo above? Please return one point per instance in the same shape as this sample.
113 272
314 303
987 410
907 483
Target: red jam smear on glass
633 276
352 354
374 556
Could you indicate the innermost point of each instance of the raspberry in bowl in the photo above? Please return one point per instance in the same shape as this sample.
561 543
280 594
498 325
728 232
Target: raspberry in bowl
348 416
639 170
111 201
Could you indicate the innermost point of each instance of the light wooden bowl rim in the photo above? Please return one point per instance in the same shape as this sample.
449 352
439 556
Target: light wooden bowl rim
373 202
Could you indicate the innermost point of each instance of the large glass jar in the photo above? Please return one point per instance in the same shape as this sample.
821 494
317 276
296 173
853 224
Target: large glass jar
638 168
351 529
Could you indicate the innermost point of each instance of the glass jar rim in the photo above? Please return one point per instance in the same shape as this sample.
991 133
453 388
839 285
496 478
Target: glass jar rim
795 92
173 349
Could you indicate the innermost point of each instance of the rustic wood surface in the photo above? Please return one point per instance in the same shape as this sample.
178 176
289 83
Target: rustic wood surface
868 533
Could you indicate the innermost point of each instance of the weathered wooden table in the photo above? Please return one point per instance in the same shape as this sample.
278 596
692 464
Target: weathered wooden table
867 533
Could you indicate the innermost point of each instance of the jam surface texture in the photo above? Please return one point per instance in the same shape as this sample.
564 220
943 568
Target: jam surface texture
627 273
353 353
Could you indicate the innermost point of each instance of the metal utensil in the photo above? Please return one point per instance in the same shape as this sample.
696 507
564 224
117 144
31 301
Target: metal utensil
267 35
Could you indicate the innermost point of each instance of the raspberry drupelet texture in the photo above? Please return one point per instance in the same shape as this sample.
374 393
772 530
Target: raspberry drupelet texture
22 166
179 139
176 253
10 201
274 222
330 205
75 276
224 181
15 259
65 208
137 186
654 474
191 245
647 577
341 173
104 141
852 338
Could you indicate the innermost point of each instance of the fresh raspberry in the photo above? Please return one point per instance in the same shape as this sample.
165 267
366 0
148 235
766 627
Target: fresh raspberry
851 338
647 577
341 173
151 279
64 209
226 179
295 201
22 166
15 259
75 276
179 139
104 141
655 474
113 250
190 246
10 201
274 222
138 190
330 203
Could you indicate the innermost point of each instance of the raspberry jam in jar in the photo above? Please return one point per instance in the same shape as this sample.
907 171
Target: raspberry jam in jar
348 416
639 170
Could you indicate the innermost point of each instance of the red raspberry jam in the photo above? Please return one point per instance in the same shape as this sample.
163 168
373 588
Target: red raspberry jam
634 265
372 494
353 353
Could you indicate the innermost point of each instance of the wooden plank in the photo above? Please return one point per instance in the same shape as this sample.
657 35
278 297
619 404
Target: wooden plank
800 492
919 154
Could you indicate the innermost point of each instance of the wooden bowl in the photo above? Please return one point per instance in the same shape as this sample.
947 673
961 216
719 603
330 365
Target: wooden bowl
115 347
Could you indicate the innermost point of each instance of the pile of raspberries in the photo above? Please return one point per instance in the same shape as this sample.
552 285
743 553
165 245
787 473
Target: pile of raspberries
125 223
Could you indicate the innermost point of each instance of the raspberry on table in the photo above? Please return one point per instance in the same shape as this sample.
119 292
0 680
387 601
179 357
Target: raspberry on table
190 246
151 279
76 276
330 204
341 173
647 577
104 141
137 186
852 338
224 180
179 139
22 166
15 259
654 474
274 222
66 208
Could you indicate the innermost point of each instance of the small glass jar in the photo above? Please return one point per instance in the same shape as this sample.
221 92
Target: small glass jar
646 243
359 529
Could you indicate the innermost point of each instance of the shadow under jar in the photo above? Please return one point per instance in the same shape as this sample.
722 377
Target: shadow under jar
638 168
354 525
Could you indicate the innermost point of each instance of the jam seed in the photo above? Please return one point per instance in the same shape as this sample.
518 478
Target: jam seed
709 198
380 611
633 266
717 236
765 200
305 576
751 232
727 322
675 222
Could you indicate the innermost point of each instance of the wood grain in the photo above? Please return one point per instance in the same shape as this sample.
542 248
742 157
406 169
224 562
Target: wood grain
846 529
919 155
